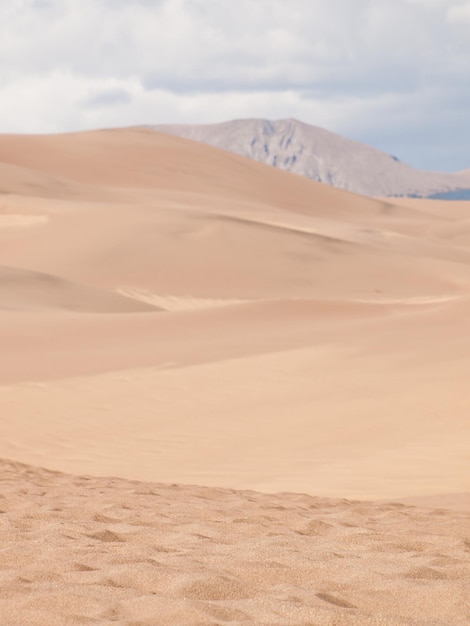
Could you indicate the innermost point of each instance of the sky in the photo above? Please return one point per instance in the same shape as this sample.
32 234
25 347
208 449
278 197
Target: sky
391 73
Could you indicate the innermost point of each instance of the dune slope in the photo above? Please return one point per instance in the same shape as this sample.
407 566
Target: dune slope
154 252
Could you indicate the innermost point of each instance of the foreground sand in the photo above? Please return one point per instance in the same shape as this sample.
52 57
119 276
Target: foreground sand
176 314
82 550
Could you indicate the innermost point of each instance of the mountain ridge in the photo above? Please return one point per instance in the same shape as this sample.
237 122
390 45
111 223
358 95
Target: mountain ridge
322 155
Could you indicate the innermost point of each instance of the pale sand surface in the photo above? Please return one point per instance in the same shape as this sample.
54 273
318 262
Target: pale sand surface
176 314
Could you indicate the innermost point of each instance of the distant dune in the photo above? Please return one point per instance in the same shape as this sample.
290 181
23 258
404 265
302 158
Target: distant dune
221 335
324 156
22 290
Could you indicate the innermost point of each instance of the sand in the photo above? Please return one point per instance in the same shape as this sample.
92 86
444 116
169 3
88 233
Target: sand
175 315
83 550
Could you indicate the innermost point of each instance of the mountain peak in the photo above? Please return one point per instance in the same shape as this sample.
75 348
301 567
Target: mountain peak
321 155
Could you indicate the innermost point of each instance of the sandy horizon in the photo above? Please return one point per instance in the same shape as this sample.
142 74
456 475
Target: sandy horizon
172 314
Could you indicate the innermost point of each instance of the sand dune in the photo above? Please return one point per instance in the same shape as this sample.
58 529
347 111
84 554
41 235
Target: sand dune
177 314
32 291
15 179
13 220
140 159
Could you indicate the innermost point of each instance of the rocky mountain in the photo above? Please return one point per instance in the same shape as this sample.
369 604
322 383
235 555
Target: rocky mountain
324 156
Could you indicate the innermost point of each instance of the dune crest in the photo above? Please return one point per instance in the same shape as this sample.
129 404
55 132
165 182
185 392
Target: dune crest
24 290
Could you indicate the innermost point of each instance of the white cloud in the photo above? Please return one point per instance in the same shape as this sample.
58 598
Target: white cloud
459 13
350 66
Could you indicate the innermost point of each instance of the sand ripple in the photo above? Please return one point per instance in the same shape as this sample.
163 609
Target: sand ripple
11 220
81 550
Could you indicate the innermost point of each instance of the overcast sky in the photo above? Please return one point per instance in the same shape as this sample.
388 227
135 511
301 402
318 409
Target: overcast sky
391 73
